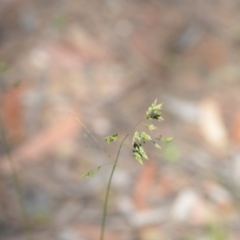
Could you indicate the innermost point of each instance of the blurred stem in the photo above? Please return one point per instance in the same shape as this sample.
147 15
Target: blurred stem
16 181
108 190
92 136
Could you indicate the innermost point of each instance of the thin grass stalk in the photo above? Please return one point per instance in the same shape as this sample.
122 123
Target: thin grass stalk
16 182
108 190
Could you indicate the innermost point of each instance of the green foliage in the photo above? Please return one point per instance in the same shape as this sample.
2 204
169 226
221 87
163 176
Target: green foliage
140 138
137 136
92 172
139 153
142 153
157 145
164 140
154 111
145 137
150 127
111 138
138 157
167 139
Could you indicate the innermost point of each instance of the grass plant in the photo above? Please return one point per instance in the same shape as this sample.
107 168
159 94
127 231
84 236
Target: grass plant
139 139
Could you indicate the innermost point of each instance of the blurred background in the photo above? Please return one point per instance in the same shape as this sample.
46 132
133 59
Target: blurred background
104 62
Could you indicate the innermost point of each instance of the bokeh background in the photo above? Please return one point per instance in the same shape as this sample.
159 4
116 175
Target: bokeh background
104 62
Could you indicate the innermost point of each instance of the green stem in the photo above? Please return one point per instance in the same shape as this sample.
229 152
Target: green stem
108 190
16 182
138 123
110 182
